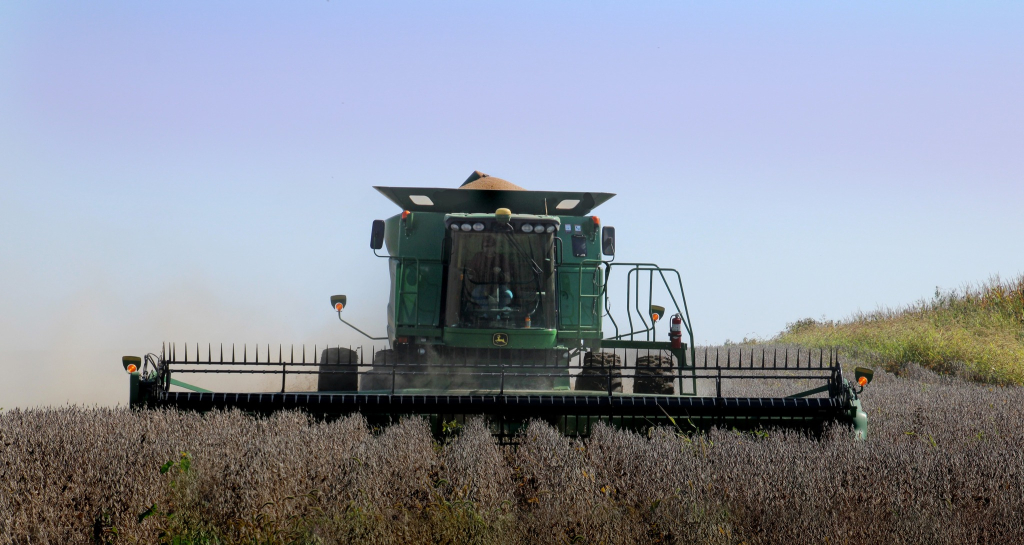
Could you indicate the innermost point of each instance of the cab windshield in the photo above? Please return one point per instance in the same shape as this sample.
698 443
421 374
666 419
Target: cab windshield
501 280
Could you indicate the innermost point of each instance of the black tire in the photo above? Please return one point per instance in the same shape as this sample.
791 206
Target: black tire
338 370
596 368
379 377
651 376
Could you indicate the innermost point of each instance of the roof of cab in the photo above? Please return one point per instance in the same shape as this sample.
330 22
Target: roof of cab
487 193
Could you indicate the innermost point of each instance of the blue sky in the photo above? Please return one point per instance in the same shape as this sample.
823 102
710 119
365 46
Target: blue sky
188 172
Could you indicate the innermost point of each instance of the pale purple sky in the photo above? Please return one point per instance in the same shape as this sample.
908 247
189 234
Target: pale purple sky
181 171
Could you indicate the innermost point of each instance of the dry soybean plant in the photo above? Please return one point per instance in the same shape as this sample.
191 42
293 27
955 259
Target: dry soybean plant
942 464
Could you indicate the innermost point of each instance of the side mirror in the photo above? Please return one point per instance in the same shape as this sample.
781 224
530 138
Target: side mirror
377 235
338 302
608 240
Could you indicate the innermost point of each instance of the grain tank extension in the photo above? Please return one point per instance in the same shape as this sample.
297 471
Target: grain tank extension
501 304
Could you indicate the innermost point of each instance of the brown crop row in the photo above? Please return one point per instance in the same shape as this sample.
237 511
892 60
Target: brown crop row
943 464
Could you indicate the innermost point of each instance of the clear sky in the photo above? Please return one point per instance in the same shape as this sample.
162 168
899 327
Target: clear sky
202 172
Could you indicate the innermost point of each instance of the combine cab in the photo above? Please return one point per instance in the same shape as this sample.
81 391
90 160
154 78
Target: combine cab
498 306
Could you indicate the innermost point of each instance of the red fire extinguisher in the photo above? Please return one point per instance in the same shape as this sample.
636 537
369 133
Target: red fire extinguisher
675 331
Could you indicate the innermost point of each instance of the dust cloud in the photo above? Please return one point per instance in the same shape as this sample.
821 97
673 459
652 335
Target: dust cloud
72 354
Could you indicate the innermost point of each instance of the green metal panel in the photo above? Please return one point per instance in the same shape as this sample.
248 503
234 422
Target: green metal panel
514 338
579 315
642 345
134 394
418 293
432 333
420 235
860 421
576 312
576 335
392 227
679 353
415 244
187 386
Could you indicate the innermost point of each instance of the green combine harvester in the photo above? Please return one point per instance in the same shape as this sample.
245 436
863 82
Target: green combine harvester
498 306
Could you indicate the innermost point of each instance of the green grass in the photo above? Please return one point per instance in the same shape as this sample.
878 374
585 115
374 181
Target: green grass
976 331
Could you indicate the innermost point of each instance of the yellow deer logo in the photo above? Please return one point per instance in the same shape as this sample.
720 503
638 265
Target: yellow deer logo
500 339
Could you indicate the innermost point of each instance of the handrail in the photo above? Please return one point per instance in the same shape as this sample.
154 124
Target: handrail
642 267
638 268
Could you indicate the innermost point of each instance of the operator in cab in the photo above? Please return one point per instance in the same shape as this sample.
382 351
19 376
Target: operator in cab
489 272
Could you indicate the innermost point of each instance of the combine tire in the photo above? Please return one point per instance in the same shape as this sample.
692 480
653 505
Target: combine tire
596 368
380 374
341 365
654 375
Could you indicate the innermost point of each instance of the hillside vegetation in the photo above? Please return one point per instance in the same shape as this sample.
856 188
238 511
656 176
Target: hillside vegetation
976 332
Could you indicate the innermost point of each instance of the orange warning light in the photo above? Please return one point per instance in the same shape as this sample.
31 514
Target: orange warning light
338 306
656 316
131 368
863 381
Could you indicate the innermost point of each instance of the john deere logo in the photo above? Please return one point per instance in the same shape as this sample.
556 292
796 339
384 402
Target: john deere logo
500 339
